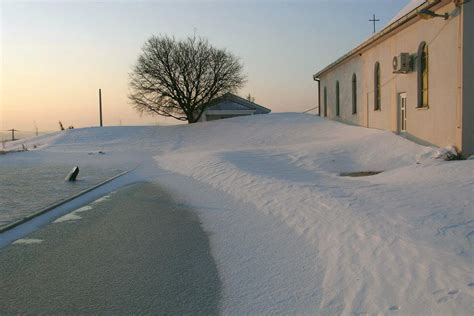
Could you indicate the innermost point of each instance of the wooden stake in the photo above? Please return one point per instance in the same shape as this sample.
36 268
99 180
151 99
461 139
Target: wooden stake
100 106
13 133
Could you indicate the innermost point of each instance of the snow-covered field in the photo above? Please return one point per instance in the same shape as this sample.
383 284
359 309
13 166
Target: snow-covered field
288 233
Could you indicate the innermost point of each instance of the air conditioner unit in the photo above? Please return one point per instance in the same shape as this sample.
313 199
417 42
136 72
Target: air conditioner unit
402 63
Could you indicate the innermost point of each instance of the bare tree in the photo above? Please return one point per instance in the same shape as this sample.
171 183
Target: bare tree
178 78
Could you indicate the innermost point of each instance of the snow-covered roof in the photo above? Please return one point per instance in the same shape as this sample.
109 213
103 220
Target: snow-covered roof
412 5
406 14
233 102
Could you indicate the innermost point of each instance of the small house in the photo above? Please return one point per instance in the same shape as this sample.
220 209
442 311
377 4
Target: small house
230 105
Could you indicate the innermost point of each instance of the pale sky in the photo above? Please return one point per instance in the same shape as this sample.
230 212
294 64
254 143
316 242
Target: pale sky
56 55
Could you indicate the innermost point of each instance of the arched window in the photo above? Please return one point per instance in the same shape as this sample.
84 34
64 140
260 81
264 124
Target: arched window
325 96
337 98
422 69
377 86
354 94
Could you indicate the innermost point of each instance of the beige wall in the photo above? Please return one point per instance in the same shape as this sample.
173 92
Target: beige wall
344 75
440 123
468 80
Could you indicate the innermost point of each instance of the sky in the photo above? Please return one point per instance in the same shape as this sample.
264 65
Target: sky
56 55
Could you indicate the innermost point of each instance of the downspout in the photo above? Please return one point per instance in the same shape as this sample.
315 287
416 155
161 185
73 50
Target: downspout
367 111
319 94
460 61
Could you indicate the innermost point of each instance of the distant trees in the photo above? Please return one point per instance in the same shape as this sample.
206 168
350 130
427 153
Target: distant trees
178 78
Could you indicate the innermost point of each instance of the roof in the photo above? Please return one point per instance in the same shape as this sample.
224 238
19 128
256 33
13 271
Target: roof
412 5
409 12
233 102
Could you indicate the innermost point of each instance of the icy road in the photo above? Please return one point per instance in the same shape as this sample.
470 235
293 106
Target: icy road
131 252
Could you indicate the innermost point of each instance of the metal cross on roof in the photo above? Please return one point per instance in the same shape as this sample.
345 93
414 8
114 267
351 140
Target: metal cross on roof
374 20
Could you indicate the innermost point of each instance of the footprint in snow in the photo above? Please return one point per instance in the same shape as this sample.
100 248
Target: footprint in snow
452 294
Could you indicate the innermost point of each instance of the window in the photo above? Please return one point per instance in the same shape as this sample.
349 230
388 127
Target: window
325 96
377 86
337 98
354 94
422 68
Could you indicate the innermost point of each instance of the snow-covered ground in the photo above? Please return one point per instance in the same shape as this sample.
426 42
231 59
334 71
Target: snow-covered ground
288 233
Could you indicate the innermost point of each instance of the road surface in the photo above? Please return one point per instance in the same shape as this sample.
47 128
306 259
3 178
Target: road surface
134 252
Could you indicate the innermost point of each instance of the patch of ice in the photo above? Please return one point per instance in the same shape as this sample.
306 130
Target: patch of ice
25 241
102 199
67 218
73 215
83 209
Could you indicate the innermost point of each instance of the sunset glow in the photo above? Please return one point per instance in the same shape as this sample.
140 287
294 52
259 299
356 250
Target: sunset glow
56 55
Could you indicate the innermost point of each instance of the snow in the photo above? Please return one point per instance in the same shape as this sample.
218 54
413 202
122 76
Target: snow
102 199
73 216
288 233
412 5
446 153
27 241
68 218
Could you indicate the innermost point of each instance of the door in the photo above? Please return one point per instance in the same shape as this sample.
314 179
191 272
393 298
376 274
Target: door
402 120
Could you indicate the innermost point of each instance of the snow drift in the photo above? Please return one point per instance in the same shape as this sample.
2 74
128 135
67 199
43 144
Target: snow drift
289 234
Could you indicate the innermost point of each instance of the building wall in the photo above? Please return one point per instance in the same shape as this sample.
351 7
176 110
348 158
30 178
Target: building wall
221 117
468 80
344 76
439 124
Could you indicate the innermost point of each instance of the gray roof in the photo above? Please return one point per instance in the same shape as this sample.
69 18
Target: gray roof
233 102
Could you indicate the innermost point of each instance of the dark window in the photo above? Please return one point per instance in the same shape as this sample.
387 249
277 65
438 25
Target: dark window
377 97
325 102
337 98
422 69
354 94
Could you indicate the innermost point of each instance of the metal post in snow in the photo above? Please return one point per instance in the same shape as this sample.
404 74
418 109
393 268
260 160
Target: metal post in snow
100 106
13 133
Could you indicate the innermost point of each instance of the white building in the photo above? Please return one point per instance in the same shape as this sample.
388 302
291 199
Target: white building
415 77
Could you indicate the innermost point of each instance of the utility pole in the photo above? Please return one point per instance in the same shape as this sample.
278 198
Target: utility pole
13 133
374 20
100 106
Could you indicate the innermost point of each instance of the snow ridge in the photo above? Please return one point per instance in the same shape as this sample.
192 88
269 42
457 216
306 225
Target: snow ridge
289 234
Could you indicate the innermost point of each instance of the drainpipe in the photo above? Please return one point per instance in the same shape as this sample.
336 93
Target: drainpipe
319 94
